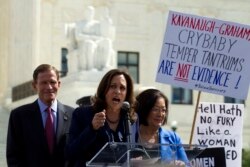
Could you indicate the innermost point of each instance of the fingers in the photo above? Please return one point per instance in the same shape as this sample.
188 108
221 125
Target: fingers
179 163
99 120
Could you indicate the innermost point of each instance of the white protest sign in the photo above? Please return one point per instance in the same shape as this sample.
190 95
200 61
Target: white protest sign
205 54
220 125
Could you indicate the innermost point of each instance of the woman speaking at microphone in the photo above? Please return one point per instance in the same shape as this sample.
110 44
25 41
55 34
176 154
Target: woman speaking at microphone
152 110
103 121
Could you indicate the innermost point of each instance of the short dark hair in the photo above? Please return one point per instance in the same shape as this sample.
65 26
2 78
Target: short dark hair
146 101
42 68
104 85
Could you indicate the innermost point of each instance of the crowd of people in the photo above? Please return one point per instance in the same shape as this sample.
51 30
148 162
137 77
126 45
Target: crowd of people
47 133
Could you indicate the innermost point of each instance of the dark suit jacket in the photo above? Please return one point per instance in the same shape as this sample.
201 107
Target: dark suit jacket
26 141
84 141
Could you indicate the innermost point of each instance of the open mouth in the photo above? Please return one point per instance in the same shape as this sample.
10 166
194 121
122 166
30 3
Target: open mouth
116 100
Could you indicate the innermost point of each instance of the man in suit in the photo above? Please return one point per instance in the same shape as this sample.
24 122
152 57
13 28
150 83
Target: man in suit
28 144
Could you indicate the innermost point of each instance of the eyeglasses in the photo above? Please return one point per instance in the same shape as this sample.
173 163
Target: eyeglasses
158 109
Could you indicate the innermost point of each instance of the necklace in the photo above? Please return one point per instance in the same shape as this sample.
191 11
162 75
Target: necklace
148 139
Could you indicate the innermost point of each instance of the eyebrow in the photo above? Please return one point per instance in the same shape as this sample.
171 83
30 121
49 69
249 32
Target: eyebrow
160 106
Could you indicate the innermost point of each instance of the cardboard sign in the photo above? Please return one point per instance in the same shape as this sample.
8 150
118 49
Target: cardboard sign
210 157
205 54
220 125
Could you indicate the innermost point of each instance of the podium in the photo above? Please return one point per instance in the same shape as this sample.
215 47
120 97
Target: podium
118 154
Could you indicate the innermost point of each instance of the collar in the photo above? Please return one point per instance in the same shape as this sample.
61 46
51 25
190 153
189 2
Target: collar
43 107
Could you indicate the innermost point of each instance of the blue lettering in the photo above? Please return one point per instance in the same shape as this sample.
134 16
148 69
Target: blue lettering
207 75
166 67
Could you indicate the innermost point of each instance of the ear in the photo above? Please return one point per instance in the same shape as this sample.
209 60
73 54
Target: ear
34 85
59 83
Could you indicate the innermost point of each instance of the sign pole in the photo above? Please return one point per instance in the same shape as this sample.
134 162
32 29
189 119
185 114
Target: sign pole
195 115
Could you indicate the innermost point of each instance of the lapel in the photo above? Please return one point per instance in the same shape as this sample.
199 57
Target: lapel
36 124
36 116
62 119
163 138
166 148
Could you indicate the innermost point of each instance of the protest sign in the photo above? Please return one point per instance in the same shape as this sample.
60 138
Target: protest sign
220 125
210 157
205 54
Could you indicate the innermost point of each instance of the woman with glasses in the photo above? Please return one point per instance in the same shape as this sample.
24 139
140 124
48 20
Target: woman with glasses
152 110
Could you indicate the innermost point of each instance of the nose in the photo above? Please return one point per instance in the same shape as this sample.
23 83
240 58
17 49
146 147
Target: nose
117 90
49 86
162 114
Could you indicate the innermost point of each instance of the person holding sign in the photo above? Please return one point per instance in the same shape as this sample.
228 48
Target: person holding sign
152 110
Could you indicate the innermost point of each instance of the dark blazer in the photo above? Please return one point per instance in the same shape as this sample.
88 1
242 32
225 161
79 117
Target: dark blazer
26 141
85 142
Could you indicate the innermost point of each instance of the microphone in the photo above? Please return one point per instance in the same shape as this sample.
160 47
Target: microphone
125 108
